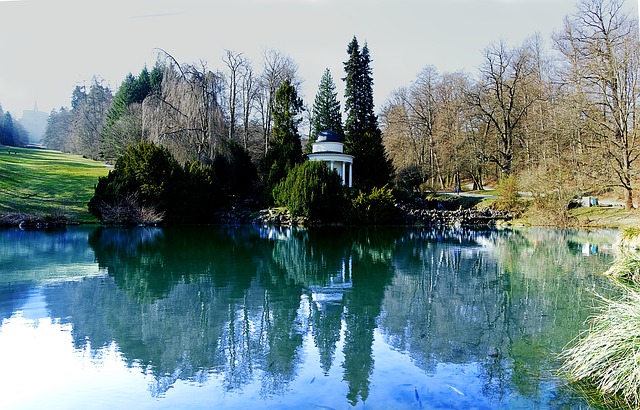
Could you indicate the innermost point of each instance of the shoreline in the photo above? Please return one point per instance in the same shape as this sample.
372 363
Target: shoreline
606 217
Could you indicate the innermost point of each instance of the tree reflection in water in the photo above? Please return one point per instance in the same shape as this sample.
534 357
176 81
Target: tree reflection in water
238 303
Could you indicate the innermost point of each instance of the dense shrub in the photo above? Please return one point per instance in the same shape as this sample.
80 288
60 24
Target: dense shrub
374 208
148 185
147 171
201 194
409 179
313 191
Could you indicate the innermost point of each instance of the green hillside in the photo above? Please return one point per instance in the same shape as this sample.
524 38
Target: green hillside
43 182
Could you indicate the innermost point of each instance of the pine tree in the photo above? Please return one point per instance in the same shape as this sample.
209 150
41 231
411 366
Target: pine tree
363 138
133 90
326 109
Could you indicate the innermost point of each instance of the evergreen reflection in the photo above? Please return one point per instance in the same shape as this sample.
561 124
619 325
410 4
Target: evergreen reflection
235 302
344 274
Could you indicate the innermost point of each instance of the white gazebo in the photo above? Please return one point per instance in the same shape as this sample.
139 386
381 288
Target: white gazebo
329 148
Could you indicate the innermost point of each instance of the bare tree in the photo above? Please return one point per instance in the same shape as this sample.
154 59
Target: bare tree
87 119
249 95
277 68
457 156
124 132
601 46
399 132
424 127
501 98
186 115
235 63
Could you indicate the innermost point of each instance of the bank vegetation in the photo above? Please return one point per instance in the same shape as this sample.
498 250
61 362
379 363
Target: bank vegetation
557 118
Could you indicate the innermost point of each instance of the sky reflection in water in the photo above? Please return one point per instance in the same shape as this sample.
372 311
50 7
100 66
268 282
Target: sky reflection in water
238 317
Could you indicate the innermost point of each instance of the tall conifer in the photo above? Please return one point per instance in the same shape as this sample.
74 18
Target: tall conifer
326 108
363 137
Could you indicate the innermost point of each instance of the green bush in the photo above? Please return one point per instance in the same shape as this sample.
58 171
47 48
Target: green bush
311 190
373 208
201 194
147 185
151 171
409 179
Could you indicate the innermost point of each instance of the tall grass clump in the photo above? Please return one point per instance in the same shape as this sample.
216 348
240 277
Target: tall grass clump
630 238
607 356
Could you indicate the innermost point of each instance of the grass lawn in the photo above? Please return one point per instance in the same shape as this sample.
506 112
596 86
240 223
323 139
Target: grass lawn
607 216
42 182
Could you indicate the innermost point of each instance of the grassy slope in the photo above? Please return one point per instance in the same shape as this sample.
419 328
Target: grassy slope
45 182
604 216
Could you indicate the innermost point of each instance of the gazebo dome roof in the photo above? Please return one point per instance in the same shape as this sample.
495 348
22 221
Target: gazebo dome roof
328 136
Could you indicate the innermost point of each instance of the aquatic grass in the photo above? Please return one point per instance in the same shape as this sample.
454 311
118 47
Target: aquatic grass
607 356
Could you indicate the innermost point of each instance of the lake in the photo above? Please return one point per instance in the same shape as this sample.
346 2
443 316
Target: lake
244 317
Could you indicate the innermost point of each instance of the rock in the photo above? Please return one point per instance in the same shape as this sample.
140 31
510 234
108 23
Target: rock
459 217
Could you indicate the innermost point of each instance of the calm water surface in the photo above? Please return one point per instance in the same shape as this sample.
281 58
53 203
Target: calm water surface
236 318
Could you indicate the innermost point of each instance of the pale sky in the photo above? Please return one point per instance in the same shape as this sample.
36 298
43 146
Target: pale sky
47 47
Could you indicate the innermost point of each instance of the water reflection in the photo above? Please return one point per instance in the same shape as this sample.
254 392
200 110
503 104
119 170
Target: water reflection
242 307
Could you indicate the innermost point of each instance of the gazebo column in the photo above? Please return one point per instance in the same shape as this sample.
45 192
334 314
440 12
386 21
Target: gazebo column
351 175
344 173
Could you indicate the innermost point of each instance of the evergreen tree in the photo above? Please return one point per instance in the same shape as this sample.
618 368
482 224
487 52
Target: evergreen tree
122 125
285 150
121 100
132 90
58 125
326 109
12 133
363 137
6 130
